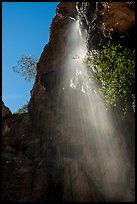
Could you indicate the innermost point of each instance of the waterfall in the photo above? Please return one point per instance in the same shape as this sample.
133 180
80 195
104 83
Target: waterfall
96 141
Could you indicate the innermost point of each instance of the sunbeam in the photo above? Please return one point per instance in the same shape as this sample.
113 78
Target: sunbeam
100 147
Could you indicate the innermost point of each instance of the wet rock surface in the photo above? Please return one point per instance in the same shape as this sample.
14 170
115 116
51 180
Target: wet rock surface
54 152
108 20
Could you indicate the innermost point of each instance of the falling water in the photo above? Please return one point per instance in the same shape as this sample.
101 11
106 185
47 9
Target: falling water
95 141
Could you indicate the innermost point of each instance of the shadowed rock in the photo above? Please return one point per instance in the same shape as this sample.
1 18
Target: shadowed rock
6 113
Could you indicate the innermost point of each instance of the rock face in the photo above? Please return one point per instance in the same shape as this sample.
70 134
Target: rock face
117 18
62 149
110 20
6 113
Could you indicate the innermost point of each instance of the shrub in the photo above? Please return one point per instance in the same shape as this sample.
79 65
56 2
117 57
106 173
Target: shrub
22 109
114 68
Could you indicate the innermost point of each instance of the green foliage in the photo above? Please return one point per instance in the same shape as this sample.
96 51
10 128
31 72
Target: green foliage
26 66
114 68
23 109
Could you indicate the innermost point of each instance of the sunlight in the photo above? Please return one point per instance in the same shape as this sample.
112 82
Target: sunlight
97 132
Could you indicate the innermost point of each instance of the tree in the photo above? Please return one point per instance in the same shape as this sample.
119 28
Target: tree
26 66
23 109
114 68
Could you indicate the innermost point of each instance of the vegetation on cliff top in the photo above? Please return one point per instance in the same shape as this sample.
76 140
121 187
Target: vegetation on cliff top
26 67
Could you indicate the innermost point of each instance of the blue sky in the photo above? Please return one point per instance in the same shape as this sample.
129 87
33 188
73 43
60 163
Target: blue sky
25 30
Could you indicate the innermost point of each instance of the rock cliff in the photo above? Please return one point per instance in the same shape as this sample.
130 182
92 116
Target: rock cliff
110 20
52 153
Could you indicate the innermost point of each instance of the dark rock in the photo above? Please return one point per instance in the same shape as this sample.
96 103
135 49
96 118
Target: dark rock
6 113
